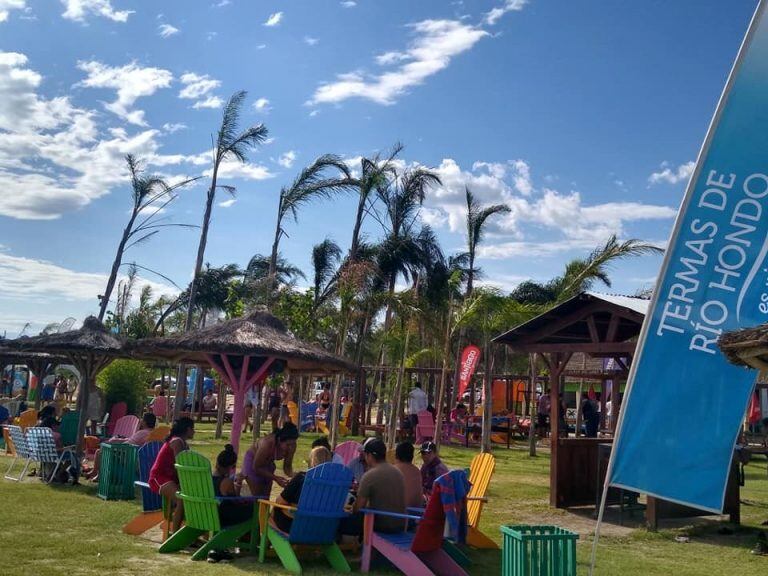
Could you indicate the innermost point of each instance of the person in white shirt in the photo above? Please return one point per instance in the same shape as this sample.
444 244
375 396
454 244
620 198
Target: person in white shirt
417 402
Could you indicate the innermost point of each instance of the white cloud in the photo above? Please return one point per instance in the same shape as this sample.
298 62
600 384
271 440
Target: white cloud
131 83
166 30
210 102
7 5
78 10
436 43
199 87
227 203
562 216
53 157
27 278
235 169
287 159
262 104
672 175
261 47
170 128
223 3
509 6
274 19
310 41
349 3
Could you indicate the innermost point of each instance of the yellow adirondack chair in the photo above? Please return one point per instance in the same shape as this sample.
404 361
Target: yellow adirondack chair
480 472
322 425
293 412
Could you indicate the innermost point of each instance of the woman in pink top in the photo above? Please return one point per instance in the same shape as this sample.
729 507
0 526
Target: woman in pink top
139 438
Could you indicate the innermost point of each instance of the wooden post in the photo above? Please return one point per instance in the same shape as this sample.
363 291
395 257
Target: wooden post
222 407
487 398
532 404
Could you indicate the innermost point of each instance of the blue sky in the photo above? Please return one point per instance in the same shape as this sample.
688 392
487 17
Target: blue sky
583 117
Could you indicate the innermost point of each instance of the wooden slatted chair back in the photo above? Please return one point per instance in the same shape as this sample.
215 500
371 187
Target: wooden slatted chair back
346 412
68 428
27 418
116 411
19 441
146 458
201 510
348 451
126 426
321 504
480 472
9 447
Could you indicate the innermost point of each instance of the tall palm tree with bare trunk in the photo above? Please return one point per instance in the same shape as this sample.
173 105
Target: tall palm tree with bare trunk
230 143
312 182
150 195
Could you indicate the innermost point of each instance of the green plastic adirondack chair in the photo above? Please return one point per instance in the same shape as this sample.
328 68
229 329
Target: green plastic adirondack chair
315 519
68 428
201 511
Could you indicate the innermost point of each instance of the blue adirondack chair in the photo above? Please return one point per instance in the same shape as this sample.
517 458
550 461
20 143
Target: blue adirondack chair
308 412
315 518
152 504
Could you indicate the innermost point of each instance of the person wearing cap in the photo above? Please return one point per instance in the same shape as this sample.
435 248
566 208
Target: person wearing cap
358 466
432 468
381 488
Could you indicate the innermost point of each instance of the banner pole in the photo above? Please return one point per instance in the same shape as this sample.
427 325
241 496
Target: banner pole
665 263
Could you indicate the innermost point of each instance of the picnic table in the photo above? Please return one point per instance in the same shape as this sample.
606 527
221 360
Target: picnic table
499 424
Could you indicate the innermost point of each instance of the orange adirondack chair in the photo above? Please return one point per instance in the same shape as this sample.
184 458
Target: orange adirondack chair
480 472
27 419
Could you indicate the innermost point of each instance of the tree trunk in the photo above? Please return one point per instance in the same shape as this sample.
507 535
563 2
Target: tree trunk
440 402
532 404
354 246
273 256
334 413
193 287
116 266
394 415
487 397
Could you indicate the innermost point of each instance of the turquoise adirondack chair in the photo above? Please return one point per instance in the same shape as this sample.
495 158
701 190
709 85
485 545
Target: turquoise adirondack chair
315 518
201 511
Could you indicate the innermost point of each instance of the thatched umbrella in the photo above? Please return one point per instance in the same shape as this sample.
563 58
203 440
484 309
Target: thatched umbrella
90 349
747 347
244 351
39 365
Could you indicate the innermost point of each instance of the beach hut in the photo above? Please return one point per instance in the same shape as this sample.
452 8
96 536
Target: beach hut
89 349
243 351
38 363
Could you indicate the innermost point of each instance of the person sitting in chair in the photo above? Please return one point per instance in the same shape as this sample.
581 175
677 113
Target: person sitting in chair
292 492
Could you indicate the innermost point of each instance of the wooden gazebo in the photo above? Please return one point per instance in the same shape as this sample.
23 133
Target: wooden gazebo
600 326
39 364
243 351
90 349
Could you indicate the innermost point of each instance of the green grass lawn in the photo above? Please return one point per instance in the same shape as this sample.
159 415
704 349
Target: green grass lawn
69 530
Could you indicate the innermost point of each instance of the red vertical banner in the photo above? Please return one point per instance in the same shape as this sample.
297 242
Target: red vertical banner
469 359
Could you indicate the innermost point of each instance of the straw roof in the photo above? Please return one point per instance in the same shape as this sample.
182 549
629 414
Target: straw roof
91 337
20 357
744 347
256 334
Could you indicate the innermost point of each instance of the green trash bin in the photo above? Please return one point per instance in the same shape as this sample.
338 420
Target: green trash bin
538 551
117 472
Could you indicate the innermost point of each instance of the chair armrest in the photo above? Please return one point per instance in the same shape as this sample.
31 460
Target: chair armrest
141 484
415 510
274 504
240 498
389 514
478 498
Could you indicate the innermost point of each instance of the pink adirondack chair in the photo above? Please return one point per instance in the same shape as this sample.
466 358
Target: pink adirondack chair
415 554
160 407
348 451
117 411
126 426
425 429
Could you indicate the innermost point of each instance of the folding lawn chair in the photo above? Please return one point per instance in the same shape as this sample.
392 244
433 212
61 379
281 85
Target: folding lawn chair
21 452
42 449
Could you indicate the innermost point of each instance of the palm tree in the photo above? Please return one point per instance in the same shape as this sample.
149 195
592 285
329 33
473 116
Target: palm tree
581 274
375 174
150 195
230 143
325 259
311 183
476 219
